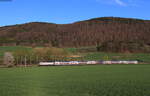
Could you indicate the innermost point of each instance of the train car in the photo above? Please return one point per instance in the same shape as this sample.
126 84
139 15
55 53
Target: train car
73 62
82 62
106 62
59 63
46 63
132 62
92 62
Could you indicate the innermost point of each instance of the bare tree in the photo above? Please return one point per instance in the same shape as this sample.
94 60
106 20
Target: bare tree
8 59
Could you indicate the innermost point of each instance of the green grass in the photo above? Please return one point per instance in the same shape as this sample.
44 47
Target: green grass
99 80
145 57
72 50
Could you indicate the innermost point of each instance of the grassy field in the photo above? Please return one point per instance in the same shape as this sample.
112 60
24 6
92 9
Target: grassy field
99 80
143 57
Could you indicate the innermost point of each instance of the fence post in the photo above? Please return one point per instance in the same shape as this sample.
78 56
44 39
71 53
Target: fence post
25 60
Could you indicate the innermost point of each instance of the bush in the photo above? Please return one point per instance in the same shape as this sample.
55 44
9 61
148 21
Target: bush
52 53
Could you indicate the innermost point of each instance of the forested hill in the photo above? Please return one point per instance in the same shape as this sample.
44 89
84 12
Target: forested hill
84 33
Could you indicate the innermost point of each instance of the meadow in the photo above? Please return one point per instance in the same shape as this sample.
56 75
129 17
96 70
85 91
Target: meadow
98 80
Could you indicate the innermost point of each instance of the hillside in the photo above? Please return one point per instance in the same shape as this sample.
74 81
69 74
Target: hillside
84 33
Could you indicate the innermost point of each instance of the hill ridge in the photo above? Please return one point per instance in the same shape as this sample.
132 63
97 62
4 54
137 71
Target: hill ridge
90 32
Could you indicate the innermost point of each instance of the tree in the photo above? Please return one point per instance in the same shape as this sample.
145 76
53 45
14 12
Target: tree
8 59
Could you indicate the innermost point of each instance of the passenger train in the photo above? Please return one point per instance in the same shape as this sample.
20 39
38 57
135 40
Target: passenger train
59 63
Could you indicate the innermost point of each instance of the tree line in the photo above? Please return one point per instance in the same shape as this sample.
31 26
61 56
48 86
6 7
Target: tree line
124 46
34 56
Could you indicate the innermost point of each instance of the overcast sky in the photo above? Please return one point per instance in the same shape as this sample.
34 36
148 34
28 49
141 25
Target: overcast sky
68 11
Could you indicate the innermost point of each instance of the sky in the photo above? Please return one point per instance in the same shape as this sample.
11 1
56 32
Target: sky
69 11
